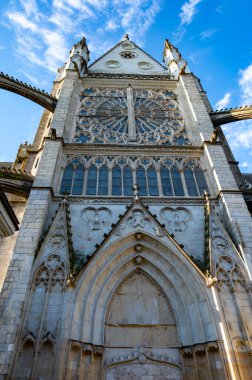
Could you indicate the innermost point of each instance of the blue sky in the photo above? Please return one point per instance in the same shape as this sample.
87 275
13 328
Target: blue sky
213 36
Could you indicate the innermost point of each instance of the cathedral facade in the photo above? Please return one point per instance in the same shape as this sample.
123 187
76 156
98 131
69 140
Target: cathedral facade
134 255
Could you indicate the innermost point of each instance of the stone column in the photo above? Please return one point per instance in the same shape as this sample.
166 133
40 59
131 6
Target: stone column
15 290
131 115
224 185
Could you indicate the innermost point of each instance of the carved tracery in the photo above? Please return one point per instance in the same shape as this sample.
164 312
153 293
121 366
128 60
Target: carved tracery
104 117
155 176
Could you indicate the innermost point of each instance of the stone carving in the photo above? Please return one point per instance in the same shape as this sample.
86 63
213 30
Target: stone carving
220 243
57 241
103 115
248 185
138 235
138 247
58 238
135 192
50 272
138 219
53 261
210 280
96 218
22 152
119 230
187 351
212 346
142 357
226 263
138 260
87 347
241 345
177 218
144 65
200 348
112 64
158 231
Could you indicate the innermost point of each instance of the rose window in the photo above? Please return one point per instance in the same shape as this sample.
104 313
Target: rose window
130 116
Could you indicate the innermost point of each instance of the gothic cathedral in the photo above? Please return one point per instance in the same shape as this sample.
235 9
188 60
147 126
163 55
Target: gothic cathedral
134 256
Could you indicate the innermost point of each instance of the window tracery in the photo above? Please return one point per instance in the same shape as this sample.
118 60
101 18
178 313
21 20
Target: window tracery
105 176
103 118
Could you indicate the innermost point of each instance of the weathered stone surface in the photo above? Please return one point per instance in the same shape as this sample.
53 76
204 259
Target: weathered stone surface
115 287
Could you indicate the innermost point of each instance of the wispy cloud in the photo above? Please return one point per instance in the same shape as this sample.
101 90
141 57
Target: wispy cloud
223 102
240 137
245 83
208 33
188 10
53 26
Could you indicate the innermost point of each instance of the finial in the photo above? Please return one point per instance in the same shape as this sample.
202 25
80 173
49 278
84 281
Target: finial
126 37
206 195
135 189
167 44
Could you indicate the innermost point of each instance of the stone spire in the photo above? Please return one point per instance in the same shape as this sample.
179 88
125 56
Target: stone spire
176 65
77 60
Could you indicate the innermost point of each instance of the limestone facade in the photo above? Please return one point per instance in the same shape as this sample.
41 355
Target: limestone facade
134 255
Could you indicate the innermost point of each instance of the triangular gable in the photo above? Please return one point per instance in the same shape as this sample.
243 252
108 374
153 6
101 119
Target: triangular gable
57 238
138 219
127 58
221 243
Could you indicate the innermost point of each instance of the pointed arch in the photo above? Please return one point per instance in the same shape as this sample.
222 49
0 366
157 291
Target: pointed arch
174 273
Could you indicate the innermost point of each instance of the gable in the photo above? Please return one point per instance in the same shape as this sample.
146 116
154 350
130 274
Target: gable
127 58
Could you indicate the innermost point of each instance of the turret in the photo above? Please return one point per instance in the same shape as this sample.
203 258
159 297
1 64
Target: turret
78 59
176 65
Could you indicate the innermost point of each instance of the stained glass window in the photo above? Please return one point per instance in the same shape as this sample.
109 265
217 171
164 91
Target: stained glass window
152 181
174 182
201 181
103 181
117 181
92 180
141 180
78 180
190 182
166 181
103 117
177 182
66 184
127 180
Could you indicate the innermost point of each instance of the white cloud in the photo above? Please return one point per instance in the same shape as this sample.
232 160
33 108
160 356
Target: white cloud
22 21
245 83
244 164
224 102
53 28
188 10
239 135
112 25
208 33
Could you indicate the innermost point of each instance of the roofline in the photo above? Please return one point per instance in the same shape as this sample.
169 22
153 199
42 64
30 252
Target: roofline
9 209
119 43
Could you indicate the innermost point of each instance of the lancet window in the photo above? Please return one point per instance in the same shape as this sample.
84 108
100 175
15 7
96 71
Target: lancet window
109 176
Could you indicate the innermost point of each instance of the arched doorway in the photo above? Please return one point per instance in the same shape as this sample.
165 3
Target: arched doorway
140 332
